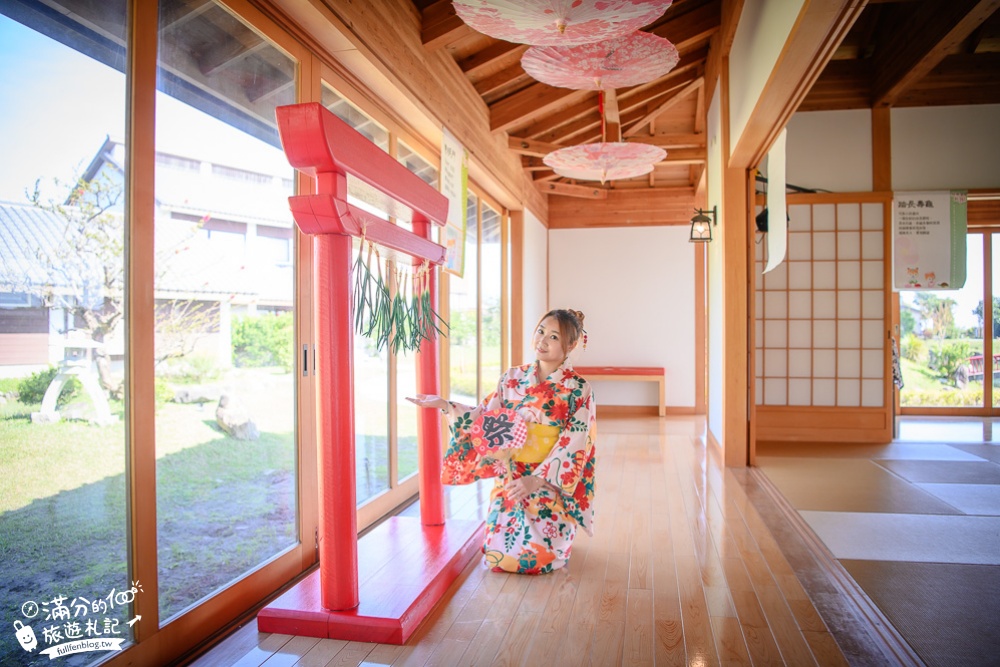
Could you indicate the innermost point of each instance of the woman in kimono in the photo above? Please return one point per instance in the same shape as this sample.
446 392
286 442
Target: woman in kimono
546 490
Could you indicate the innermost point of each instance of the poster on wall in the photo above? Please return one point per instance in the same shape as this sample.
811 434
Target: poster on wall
928 240
454 186
777 216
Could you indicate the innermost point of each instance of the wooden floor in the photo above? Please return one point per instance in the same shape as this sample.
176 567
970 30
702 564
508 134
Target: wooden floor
684 569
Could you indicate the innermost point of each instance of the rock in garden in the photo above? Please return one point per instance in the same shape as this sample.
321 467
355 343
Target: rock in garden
196 394
234 418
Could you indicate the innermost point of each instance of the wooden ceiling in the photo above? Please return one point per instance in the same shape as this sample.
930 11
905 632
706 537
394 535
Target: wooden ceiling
898 53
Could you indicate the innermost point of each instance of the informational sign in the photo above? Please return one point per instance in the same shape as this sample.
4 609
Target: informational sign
777 216
454 186
928 240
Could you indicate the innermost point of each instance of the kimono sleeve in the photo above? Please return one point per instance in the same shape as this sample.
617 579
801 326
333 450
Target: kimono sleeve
570 465
462 464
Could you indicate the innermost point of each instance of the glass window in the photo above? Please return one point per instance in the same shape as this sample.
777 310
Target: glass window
63 507
354 117
491 288
427 172
464 301
224 338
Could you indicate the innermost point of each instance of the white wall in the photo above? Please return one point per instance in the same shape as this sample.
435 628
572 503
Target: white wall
534 279
636 288
763 29
933 148
714 270
830 150
940 148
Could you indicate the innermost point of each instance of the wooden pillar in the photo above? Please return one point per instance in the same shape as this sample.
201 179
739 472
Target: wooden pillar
338 527
429 421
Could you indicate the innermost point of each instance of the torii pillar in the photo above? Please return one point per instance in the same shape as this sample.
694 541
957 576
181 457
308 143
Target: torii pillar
407 565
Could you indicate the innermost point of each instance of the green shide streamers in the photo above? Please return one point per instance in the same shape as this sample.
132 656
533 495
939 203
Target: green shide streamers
402 320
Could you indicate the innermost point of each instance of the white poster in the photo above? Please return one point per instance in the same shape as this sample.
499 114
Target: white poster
928 240
777 217
454 186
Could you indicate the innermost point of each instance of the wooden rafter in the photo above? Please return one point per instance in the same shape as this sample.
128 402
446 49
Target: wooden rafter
440 25
500 54
931 32
693 28
498 80
530 147
570 190
612 117
674 99
533 102
580 118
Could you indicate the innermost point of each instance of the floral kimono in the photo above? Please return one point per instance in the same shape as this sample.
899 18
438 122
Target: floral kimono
535 535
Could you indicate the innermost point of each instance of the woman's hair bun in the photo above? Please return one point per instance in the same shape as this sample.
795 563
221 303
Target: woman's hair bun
579 315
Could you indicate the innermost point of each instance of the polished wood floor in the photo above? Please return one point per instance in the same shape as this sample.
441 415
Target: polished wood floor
688 567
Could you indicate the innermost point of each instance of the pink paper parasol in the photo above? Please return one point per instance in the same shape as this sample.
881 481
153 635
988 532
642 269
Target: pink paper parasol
614 63
558 22
497 431
604 161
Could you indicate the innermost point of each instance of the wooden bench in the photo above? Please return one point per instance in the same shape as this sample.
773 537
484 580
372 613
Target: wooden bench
628 374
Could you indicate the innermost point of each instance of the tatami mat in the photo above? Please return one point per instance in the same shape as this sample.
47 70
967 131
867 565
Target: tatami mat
847 485
946 472
908 537
988 452
948 613
981 499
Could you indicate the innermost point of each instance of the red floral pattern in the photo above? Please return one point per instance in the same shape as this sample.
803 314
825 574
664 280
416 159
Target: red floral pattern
535 535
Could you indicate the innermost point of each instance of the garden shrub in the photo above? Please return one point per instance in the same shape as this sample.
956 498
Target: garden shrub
949 358
913 348
971 396
263 340
31 390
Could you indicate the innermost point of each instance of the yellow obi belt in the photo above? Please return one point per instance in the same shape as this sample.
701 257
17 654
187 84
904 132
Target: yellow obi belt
540 441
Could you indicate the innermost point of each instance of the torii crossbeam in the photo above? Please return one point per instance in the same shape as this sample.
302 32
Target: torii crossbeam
407 564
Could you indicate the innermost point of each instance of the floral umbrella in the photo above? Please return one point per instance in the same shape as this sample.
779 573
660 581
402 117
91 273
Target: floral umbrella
604 161
614 63
558 22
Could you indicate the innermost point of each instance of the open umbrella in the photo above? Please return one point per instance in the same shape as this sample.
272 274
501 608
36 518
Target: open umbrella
558 22
630 60
605 161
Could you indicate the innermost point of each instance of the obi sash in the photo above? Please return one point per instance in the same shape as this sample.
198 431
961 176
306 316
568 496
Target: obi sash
540 441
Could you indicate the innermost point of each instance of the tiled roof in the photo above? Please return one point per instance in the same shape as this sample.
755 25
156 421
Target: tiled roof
26 231
188 265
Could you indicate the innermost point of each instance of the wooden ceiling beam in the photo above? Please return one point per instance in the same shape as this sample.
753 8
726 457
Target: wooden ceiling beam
549 123
530 147
843 84
569 190
685 156
931 32
440 25
496 81
581 118
960 79
668 141
693 28
533 102
612 117
497 54
665 106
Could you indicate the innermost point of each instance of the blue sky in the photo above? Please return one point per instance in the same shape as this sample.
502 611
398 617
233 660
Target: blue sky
57 106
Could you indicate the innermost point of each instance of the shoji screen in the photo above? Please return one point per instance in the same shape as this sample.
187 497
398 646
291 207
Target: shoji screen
822 321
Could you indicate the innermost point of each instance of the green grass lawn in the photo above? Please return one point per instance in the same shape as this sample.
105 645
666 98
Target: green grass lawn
223 505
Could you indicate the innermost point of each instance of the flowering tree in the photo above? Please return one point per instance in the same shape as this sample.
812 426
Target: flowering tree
85 266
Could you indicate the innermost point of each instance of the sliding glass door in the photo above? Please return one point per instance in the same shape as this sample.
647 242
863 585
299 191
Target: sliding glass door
949 353
64 538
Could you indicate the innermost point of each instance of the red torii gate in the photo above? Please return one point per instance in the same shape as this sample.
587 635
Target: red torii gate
407 564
